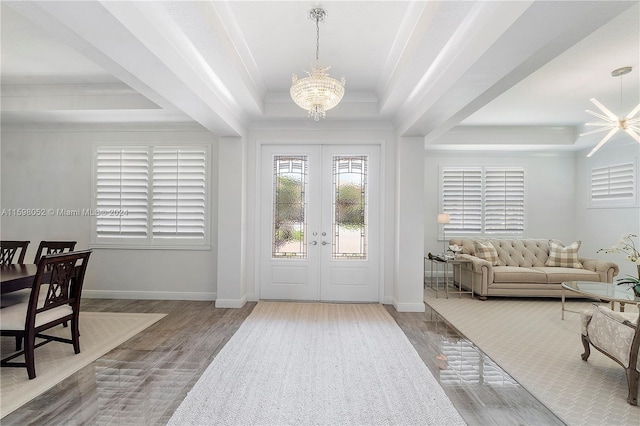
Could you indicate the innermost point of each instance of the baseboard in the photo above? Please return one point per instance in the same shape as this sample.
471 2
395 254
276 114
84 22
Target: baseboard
409 307
231 303
147 295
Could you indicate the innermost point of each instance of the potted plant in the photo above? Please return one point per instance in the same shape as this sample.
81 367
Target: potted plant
628 247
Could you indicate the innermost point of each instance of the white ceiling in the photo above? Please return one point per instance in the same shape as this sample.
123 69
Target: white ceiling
520 72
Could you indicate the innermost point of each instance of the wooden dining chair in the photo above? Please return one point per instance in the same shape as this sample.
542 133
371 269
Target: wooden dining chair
53 247
8 250
61 303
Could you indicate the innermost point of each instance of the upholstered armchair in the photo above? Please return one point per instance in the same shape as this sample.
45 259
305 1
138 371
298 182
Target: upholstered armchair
617 335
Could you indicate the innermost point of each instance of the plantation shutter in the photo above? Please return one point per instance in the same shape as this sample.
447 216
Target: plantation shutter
122 192
616 182
462 199
179 193
504 201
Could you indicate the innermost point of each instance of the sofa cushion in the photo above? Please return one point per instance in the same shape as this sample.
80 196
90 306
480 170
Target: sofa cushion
511 274
485 250
557 274
566 257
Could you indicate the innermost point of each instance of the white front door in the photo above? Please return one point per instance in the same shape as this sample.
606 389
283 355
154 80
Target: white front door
320 231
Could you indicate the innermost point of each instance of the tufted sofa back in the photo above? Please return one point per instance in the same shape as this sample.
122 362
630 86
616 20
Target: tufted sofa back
521 252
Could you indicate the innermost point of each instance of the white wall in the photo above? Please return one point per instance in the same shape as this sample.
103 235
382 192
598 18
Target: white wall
605 226
549 191
51 168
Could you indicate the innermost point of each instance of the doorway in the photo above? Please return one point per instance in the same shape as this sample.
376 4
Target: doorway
320 223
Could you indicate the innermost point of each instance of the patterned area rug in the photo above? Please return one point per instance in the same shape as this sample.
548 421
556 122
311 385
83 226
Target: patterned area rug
55 361
528 338
317 363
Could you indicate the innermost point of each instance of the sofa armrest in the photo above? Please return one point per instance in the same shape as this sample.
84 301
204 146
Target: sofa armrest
483 271
477 264
606 269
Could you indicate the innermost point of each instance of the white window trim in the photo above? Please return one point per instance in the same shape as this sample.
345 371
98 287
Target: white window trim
149 243
482 233
632 201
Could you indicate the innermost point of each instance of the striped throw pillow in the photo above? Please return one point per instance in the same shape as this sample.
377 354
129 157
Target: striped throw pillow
485 250
564 256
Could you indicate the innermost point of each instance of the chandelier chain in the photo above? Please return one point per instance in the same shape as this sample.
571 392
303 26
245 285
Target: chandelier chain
621 94
317 38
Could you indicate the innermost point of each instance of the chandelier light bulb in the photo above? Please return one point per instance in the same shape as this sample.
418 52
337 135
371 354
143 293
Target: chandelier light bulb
317 93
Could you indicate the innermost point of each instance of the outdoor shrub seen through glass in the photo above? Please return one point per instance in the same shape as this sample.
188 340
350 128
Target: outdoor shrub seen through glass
349 207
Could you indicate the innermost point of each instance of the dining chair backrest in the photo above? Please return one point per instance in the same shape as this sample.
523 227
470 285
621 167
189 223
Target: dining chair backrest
8 250
53 247
63 285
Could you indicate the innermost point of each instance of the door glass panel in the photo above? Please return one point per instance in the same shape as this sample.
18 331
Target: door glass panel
289 207
349 207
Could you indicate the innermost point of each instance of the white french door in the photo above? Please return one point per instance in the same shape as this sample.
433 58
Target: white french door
320 223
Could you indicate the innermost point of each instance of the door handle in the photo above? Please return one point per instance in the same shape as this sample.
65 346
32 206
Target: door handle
324 243
313 243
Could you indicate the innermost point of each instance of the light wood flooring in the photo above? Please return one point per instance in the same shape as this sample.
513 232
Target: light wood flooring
146 378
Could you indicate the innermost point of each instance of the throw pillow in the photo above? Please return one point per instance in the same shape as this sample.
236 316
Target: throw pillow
564 256
485 250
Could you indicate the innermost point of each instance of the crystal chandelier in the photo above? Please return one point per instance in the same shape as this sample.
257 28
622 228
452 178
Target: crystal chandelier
318 92
610 121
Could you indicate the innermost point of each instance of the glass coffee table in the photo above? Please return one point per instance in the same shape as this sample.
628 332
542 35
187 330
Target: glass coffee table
602 291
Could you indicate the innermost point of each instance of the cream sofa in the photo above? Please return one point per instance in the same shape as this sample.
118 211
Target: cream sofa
521 269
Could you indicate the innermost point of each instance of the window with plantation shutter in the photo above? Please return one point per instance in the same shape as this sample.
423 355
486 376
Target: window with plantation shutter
483 201
179 193
504 201
122 187
614 185
151 196
462 199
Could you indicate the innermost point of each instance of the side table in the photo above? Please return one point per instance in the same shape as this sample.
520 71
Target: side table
436 262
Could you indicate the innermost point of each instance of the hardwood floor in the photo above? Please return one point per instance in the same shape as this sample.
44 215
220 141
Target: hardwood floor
145 379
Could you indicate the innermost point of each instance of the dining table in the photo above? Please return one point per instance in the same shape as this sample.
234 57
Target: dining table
17 276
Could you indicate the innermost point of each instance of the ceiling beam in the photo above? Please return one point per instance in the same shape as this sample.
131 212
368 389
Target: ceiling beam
130 43
476 74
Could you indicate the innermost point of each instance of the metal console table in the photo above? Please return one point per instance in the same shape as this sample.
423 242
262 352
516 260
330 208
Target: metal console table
436 262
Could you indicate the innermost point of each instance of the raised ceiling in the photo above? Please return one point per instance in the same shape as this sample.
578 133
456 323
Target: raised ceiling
441 70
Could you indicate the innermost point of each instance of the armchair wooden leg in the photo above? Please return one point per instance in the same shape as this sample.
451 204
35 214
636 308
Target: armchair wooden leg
587 348
632 380
18 343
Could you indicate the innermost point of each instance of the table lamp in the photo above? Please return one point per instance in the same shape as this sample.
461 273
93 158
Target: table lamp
444 218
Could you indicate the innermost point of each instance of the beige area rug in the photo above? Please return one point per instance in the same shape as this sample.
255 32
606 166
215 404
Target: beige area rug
317 363
99 333
528 339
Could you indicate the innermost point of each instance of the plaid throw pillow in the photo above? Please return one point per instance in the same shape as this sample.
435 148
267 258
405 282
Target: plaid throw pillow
486 250
566 257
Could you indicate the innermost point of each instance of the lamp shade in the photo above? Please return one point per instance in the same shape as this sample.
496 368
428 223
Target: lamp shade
444 218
